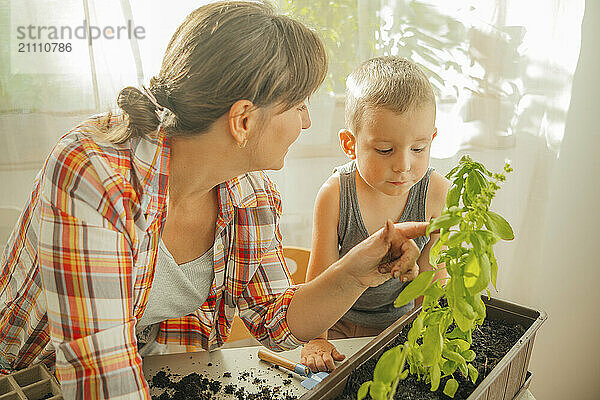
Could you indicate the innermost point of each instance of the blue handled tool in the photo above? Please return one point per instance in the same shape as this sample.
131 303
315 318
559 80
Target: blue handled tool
312 379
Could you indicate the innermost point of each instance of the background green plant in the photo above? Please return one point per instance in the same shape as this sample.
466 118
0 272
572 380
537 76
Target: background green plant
439 341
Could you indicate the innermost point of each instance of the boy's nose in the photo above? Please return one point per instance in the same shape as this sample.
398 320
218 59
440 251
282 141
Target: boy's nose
401 164
305 119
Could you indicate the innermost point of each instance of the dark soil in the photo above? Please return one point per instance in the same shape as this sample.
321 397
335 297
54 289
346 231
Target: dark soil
196 386
490 342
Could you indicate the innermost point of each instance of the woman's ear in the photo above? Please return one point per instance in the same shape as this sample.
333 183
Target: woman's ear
348 143
434 134
240 115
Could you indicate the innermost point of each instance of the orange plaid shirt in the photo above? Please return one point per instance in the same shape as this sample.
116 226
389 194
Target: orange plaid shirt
78 267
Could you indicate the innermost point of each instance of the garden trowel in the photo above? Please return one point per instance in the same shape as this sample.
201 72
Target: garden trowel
312 379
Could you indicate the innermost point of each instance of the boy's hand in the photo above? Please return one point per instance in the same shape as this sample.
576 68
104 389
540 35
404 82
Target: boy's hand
389 252
319 355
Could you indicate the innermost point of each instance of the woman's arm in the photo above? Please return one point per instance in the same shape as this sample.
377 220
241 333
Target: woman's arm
87 268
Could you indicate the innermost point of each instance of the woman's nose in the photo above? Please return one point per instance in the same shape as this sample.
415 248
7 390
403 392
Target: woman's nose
305 118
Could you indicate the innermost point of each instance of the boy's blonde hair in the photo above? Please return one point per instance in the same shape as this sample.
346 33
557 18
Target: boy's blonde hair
392 83
224 52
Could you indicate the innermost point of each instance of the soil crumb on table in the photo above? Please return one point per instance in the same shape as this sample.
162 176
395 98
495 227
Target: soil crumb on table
491 342
198 387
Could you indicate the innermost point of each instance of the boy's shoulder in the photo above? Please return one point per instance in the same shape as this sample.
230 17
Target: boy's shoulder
436 194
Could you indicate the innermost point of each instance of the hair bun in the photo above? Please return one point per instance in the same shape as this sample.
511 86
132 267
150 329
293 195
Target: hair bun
139 108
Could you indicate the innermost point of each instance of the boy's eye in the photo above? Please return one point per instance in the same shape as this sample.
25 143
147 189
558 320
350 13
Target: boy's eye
383 151
302 107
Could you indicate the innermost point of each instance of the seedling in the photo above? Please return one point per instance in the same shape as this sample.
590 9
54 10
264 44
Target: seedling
439 341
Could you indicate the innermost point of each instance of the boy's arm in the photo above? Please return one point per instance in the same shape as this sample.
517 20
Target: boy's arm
435 203
324 252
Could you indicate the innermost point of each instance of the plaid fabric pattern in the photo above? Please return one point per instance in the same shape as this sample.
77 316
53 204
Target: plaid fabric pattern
78 267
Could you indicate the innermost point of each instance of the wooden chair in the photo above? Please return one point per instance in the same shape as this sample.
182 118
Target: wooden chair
296 259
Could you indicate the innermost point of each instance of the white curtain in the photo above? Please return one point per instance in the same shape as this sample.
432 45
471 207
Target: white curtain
502 71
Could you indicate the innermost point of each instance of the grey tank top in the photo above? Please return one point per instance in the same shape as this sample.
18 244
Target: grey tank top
375 308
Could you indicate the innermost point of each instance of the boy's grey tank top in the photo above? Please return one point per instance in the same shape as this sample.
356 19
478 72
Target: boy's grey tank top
375 307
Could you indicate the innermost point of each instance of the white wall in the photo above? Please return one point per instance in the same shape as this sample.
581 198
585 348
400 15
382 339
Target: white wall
566 359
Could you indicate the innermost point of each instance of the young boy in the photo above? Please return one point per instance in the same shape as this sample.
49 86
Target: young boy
390 115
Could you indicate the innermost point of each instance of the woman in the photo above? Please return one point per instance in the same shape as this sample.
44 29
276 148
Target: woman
149 227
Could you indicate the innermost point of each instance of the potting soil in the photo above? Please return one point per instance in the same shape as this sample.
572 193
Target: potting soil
198 387
491 342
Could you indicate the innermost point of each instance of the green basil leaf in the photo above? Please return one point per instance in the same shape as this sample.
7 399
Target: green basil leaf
456 238
436 374
379 390
453 356
404 374
453 196
483 279
471 271
448 367
363 390
388 365
435 251
493 268
473 373
497 224
468 355
415 331
478 242
414 289
475 183
432 345
444 221
462 345
451 387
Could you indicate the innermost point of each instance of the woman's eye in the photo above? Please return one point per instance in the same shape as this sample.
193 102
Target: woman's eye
383 151
418 150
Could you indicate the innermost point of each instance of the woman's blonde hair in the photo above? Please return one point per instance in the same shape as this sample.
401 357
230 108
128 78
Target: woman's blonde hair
392 83
225 52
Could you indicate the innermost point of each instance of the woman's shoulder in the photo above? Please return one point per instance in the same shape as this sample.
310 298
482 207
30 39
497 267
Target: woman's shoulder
255 189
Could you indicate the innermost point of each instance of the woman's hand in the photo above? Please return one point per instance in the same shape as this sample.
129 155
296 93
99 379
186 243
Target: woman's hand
388 253
319 355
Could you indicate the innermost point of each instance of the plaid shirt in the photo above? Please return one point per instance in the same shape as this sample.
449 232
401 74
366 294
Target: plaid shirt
78 267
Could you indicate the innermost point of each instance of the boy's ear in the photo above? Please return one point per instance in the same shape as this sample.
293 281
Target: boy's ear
348 143
241 118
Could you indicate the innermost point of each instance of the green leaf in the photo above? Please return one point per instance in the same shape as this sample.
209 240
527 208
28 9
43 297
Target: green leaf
448 367
444 221
475 182
379 390
435 251
473 373
363 390
462 345
456 239
453 196
432 345
478 242
388 366
451 387
404 374
468 355
436 374
415 331
471 271
453 356
432 294
499 226
493 268
414 289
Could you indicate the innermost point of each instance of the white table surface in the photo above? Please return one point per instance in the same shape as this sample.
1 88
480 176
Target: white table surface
245 366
